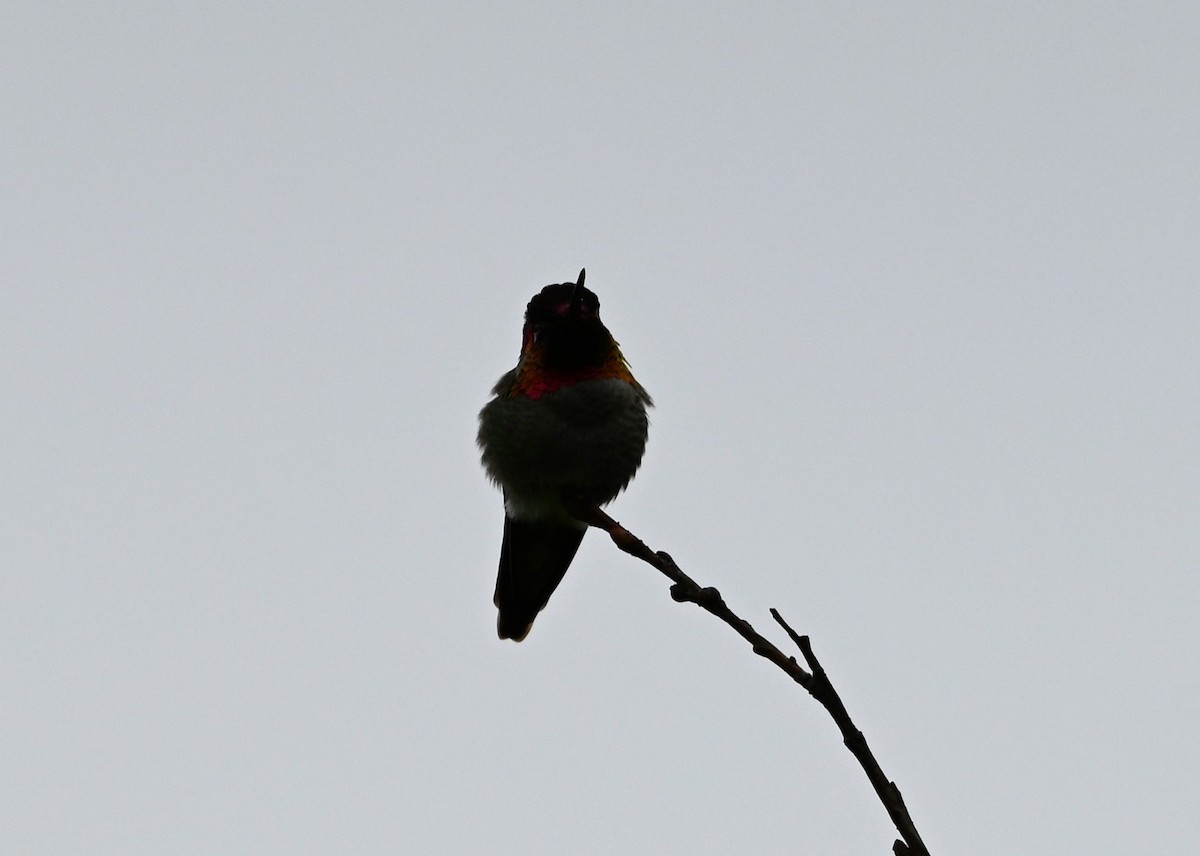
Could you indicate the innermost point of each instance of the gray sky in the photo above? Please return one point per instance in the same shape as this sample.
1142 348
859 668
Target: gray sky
914 287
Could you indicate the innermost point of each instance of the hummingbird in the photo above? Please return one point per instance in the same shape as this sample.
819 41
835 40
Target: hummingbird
567 425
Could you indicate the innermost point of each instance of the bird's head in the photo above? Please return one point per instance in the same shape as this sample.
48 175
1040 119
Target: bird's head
563 327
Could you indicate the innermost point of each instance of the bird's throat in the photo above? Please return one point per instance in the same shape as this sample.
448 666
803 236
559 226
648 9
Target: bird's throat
535 379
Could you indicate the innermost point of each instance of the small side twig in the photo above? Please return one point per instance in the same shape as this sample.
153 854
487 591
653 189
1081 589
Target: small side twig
687 590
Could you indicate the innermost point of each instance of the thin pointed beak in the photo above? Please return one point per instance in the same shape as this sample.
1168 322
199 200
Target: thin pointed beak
577 295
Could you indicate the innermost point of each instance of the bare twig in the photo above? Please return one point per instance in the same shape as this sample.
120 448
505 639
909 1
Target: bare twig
823 691
687 590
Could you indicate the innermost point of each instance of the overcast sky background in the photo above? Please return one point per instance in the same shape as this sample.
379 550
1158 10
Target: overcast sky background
916 288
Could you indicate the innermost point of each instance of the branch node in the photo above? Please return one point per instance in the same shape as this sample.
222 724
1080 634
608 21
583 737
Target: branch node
709 598
682 593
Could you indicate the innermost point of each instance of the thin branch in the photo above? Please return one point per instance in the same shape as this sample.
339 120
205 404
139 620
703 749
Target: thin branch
687 590
822 690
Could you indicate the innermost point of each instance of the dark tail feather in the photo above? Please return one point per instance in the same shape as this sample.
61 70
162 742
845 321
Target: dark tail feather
533 559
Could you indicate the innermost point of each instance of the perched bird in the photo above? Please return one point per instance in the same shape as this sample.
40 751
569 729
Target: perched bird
568 424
